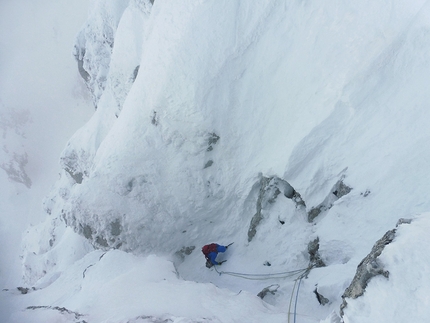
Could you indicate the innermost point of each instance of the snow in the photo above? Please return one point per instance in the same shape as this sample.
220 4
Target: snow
116 286
198 104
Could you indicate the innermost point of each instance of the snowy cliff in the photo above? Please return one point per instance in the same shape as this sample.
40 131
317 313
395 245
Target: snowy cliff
298 130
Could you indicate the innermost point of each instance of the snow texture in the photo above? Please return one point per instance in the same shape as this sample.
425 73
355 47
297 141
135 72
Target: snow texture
296 129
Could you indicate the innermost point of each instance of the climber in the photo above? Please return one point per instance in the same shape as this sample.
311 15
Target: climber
211 251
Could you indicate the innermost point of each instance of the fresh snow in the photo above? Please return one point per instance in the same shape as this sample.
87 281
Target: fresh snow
198 104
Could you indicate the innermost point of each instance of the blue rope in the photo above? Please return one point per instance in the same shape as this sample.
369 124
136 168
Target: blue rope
297 295
291 300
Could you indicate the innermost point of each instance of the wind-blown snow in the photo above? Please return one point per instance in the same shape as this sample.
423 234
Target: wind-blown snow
198 105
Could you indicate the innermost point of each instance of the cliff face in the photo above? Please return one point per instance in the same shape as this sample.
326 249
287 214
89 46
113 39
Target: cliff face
167 80
270 124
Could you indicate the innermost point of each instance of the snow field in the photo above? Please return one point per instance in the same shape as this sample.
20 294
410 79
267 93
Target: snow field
116 286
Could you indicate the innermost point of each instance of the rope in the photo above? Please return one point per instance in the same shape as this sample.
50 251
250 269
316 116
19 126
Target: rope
291 300
297 296
284 274
303 273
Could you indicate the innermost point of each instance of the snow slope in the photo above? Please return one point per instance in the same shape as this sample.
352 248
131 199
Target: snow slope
118 287
209 115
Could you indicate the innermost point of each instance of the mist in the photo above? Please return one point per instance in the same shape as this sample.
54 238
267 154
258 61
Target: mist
43 101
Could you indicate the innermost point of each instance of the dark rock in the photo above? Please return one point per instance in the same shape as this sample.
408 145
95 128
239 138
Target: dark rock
154 118
135 72
115 228
209 163
315 211
23 290
212 140
339 190
62 310
256 219
87 231
368 268
321 299
366 193
269 190
298 199
80 59
314 256
71 162
78 177
102 242
272 289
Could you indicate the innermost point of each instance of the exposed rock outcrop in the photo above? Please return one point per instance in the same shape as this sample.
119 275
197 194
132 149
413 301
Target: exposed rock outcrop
15 169
320 298
369 267
270 188
94 45
314 256
339 190
66 314
272 289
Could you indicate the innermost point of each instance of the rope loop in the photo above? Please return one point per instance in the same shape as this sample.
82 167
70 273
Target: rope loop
279 275
302 273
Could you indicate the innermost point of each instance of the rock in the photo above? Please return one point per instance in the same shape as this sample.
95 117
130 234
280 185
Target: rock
314 256
321 299
272 289
368 268
339 190
270 188
184 251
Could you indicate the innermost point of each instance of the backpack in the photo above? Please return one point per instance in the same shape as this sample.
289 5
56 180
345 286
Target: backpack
209 248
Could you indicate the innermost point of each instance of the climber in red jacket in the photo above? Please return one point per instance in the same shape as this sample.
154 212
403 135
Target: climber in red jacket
211 251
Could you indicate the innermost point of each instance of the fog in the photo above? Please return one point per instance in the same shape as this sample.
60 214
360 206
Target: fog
43 101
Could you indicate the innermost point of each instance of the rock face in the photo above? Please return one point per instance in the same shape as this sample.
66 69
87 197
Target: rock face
272 289
13 157
339 190
369 267
94 45
15 169
270 188
314 256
